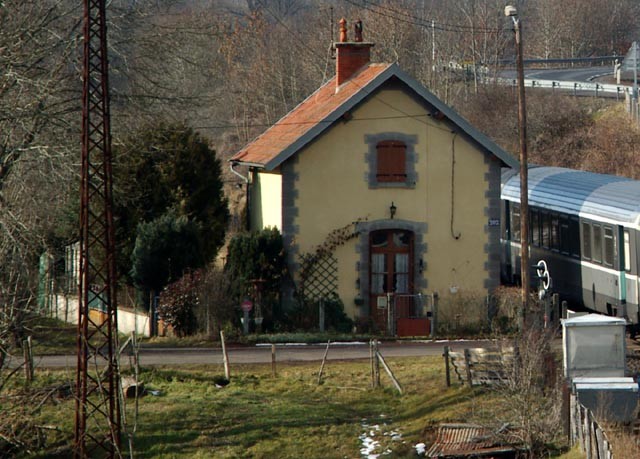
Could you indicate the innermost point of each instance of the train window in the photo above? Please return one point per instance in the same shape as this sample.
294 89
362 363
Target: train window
564 239
515 222
608 246
597 243
535 227
545 229
555 232
574 241
627 252
586 241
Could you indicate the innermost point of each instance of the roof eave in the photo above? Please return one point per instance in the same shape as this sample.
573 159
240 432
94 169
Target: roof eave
458 120
334 116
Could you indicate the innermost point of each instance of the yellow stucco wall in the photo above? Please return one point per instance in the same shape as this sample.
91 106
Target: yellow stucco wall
333 190
266 200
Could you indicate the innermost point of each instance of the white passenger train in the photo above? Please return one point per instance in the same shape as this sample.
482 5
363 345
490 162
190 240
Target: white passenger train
586 227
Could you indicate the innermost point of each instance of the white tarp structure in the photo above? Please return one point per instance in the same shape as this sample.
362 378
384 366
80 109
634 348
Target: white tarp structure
594 346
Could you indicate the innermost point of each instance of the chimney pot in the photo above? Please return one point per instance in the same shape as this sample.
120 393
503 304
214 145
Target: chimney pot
358 30
343 30
351 56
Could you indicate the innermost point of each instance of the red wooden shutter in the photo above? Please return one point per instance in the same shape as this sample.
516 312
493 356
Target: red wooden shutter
391 161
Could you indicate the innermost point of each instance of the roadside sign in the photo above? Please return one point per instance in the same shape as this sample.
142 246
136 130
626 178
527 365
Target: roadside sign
247 305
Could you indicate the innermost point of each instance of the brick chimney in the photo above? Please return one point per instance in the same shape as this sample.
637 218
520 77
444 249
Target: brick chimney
351 56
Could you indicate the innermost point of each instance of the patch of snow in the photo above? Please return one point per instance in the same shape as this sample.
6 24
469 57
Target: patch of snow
372 448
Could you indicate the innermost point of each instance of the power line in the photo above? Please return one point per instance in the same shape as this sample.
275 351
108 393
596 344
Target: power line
301 42
421 22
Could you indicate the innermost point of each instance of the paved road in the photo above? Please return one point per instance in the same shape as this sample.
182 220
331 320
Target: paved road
562 74
262 354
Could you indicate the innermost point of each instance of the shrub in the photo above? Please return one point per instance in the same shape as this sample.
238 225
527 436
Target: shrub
178 302
463 313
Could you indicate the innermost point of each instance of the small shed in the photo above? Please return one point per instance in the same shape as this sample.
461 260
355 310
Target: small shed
594 346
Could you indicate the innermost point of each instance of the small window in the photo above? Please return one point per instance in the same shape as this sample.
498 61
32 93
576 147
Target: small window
597 244
609 246
627 252
535 228
515 222
574 241
555 232
545 226
586 241
565 238
391 161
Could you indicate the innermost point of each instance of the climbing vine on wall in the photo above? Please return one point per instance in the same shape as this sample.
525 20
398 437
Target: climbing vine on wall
322 254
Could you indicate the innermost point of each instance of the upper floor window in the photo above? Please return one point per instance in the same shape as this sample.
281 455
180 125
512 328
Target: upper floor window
391 161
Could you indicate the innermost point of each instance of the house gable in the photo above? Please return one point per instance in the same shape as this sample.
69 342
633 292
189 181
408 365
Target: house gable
328 106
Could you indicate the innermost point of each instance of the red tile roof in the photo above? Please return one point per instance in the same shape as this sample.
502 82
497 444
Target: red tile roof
311 113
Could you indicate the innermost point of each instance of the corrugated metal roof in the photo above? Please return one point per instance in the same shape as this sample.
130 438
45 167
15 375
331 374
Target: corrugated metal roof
461 440
576 192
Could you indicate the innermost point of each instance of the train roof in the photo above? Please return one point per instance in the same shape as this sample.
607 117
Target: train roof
596 196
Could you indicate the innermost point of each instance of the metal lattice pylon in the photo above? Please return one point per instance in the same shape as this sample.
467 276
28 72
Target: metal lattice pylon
97 425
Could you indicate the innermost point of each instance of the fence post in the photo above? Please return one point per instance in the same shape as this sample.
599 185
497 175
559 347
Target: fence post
324 359
371 357
389 372
225 357
321 314
273 360
467 364
446 365
28 359
376 363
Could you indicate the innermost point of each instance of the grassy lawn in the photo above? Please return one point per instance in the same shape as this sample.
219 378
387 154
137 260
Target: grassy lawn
261 416
289 416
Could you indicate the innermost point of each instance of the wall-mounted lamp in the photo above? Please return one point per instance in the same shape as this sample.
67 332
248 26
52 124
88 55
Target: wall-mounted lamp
392 210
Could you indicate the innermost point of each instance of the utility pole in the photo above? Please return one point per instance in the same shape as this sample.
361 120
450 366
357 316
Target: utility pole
635 71
511 12
97 388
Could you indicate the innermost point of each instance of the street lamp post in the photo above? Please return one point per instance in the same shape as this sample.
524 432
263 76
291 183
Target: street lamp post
511 12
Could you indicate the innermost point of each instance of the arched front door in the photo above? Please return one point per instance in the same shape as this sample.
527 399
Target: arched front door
391 272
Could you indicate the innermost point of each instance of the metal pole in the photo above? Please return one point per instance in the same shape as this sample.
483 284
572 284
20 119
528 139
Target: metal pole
433 45
635 70
524 174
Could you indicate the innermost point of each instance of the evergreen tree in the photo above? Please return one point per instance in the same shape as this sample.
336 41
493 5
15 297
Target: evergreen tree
167 170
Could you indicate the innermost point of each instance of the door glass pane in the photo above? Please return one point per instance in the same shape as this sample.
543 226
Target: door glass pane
379 239
401 275
401 239
378 273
